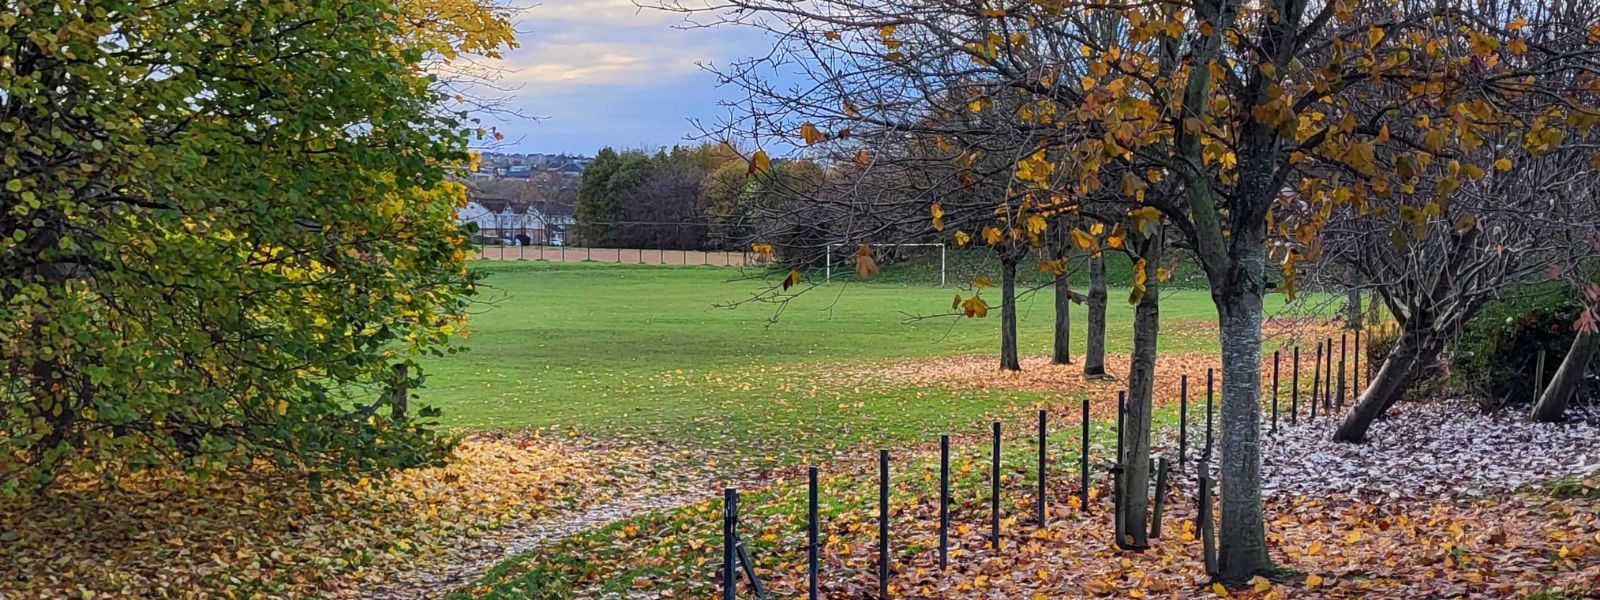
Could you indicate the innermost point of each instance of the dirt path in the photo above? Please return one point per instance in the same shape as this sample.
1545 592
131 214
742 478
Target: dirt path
438 580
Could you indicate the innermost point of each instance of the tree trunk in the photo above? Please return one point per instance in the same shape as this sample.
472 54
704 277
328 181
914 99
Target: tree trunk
1552 406
1394 377
1352 303
1141 381
1242 538
1062 354
1094 356
1008 315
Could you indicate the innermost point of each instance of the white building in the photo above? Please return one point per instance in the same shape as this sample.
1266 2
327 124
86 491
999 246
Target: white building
499 219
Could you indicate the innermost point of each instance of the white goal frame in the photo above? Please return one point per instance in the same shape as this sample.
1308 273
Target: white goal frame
828 252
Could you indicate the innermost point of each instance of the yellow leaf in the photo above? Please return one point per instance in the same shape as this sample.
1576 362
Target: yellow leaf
811 134
1502 165
1036 225
1313 580
1260 584
938 216
974 307
759 162
1216 588
1115 239
962 238
1141 276
1082 241
982 282
991 236
792 280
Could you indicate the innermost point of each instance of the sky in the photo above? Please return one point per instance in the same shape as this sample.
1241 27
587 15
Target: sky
607 73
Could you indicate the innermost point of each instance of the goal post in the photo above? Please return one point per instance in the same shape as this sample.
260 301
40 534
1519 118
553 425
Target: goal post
828 254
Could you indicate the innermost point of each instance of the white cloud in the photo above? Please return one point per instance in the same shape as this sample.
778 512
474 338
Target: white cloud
541 66
598 12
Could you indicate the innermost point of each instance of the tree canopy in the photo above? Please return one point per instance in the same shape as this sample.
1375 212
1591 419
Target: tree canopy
225 222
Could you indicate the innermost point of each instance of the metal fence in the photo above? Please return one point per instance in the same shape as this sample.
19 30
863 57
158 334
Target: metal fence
1328 391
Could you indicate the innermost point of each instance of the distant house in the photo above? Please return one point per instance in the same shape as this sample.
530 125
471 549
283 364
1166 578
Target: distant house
501 220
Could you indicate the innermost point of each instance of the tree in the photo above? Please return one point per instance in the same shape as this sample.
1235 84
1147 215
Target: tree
1267 98
597 209
224 228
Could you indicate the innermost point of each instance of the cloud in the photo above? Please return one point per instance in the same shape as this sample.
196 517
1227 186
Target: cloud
552 67
598 12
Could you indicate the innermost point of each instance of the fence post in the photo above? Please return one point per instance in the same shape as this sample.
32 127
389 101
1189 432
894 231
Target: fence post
1327 380
1276 358
994 490
944 502
1083 460
730 519
1211 396
1183 420
1342 340
811 534
1316 381
1355 366
1117 524
1161 497
399 395
1040 510
1294 391
1208 542
883 524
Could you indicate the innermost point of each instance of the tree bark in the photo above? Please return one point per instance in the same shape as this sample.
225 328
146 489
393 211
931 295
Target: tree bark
1094 355
1399 370
1352 303
1242 539
1008 315
1141 382
1552 405
1062 354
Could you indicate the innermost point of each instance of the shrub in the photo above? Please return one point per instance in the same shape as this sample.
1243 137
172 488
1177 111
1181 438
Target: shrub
1498 351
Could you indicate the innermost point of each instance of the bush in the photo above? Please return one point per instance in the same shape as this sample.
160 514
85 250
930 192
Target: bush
1498 351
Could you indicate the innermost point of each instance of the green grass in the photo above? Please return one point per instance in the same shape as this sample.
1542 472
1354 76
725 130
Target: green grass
622 351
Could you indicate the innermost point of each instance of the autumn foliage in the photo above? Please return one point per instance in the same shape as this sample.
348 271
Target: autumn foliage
223 225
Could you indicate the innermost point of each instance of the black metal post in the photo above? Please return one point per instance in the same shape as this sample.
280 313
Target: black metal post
944 502
1160 503
1294 391
1083 461
1316 382
730 519
883 524
1276 359
1211 400
994 490
1039 510
811 535
1342 340
1183 420
1208 544
1355 366
1327 380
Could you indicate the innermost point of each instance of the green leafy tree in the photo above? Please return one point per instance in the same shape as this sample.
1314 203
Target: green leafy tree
596 208
224 223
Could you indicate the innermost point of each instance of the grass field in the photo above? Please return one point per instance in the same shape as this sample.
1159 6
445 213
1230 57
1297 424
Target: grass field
625 351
